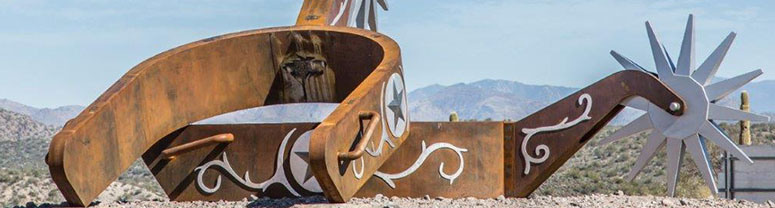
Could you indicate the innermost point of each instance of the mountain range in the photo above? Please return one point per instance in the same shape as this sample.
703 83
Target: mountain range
480 100
485 99
49 116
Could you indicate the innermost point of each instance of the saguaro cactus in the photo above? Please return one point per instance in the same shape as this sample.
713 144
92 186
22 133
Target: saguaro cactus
745 125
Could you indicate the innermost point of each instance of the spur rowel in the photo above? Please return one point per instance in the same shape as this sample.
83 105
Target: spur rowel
215 76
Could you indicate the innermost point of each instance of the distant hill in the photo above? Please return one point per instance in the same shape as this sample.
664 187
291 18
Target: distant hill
489 99
15 126
761 94
24 175
49 116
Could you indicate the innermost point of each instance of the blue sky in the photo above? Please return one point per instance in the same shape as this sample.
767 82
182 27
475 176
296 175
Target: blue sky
65 52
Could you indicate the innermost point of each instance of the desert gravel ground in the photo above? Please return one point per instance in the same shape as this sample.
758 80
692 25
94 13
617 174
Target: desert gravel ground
595 200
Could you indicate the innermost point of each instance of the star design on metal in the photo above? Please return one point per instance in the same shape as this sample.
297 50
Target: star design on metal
395 105
299 162
688 132
305 156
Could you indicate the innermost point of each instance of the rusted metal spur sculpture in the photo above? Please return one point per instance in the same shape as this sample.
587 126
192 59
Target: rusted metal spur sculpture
366 146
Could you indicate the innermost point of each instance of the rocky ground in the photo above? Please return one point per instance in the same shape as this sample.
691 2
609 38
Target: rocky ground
594 200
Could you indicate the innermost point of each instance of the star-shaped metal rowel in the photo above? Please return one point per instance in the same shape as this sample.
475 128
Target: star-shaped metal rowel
395 105
308 173
690 131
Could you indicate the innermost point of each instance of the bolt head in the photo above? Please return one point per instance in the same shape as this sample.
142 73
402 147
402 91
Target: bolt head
675 106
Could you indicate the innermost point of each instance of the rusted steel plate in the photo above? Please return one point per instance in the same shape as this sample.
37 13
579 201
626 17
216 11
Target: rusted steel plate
382 92
543 141
444 159
321 12
273 160
258 162
208 78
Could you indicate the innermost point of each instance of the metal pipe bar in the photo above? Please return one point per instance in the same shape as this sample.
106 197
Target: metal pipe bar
731 179
754 158
361 146
749 189
727 193
170 153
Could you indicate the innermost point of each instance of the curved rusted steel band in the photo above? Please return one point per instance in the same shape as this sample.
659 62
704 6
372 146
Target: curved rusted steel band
604 98
183 85
360 148
335 133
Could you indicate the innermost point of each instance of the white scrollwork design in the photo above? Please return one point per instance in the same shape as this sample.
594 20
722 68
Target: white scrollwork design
357 174
278 177
542 150
388 178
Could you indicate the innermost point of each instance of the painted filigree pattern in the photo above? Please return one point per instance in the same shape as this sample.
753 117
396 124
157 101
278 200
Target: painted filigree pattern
224 166
542 151
426 151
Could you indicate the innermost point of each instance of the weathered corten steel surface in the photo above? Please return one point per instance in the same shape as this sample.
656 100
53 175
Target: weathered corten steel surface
211 77
254 151
340 133
342 130
561 129
415 170
321 12
481 166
